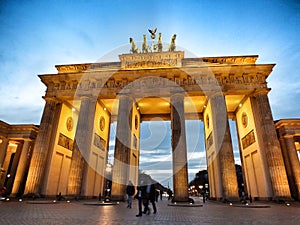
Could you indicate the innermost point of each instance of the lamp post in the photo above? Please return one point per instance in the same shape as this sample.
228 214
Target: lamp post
108 182
204 194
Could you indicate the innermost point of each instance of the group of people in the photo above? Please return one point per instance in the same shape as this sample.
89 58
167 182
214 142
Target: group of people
145 195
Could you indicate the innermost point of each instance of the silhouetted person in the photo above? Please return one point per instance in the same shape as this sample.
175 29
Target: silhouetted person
141 196
156 195
153 197
130 190
150 197
170 193
59 197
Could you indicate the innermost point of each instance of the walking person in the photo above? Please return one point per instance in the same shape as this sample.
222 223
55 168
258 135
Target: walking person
140 196
153 197
130 190
150 197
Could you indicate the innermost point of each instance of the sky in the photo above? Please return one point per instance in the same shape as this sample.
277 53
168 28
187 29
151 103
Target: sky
36 35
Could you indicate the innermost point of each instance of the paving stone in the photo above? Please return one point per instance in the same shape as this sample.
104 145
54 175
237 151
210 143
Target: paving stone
80 213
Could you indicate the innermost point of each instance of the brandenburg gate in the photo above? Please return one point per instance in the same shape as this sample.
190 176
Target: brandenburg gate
71 149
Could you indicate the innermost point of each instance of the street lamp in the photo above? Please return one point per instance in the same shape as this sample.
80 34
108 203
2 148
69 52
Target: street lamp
204 194
107 186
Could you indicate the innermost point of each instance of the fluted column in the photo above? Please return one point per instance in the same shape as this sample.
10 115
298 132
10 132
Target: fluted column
82 145
270 145
122 148
223 147
291 159
179 154
13 166
47 129
21 168
3 149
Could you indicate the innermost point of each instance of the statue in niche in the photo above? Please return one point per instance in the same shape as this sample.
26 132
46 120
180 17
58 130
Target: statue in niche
172 45
159 43
145 48
133 49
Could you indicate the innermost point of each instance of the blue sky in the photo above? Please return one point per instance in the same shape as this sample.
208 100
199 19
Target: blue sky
36 35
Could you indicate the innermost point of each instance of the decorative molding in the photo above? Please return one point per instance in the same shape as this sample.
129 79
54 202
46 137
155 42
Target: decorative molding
244 119
72 68
186 81
151 60
69 123
102 123
99 142
248 139
207 121
209 141
65 142
250 59
135 142
136 122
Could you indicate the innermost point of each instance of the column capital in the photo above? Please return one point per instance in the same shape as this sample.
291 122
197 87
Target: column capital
260 92
89 97
51 99
211 94
178 95
288 135
125 95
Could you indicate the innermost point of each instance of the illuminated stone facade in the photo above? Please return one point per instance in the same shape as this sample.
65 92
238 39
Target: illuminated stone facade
16 145
71 149
288 131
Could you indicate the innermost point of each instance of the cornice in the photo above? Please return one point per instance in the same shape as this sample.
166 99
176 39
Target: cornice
287 123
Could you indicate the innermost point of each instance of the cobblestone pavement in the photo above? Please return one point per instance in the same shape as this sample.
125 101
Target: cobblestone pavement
78 212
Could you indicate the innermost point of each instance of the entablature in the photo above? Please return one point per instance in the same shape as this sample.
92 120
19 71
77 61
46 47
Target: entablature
18 131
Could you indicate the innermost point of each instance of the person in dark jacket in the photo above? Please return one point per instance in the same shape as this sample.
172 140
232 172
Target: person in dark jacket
141 196
150 197
130 190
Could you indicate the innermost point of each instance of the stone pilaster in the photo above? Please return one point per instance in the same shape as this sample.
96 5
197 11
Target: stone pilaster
270 146
82 145
292 161
179 154
21 168
47 129
223 147
121 166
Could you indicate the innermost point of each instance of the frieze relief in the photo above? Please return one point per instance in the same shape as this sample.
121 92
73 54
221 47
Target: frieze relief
99 142
164 82
65 142
151 60
248 139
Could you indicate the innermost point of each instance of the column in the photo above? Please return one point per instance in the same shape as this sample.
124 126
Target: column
21 169
5 165
270 145
179 154
291 159
121 165
82 145
223 147
12 168
47 128
3 149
